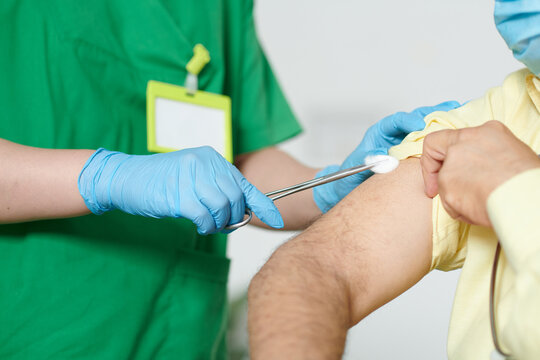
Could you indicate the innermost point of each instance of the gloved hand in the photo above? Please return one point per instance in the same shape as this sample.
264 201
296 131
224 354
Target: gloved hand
378 139
197 184
518 22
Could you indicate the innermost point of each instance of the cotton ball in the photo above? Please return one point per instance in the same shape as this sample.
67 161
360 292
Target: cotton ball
385 163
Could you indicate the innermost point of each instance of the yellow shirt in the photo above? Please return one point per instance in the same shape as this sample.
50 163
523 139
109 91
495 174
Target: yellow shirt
514 210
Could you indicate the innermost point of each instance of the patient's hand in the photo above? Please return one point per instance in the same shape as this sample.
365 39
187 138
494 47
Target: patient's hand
465 166
370 248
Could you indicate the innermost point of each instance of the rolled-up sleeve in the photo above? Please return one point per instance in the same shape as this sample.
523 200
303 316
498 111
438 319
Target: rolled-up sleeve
449 235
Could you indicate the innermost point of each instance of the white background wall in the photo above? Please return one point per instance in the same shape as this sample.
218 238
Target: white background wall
344 64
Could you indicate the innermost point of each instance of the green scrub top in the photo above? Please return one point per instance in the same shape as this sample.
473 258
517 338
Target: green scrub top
73 74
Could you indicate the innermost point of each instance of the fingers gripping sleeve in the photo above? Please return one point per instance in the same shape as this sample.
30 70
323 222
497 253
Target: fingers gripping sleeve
449 235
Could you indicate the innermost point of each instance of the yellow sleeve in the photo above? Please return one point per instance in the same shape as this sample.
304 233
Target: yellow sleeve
449 235
514 212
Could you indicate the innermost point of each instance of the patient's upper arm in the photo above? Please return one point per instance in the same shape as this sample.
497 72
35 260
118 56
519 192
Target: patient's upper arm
378 239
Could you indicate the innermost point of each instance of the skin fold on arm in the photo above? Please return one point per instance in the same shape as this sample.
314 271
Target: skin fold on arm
370 248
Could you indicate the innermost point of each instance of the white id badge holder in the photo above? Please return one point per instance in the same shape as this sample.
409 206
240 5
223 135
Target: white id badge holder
183 117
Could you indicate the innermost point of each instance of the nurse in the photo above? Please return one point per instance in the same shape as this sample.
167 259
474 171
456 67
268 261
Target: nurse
74 76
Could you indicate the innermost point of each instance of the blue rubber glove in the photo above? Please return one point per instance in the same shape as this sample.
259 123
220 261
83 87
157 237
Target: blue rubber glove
197 184
378 139
518 22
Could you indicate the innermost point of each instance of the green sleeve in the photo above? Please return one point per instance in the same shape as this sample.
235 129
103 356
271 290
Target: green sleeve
261 115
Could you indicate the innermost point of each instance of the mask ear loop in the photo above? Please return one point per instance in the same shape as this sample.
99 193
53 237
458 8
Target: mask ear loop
492 303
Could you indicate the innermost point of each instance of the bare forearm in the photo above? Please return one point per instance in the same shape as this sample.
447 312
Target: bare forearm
272 169
298 307
39 183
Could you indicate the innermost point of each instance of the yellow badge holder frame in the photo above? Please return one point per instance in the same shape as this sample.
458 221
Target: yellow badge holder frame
191 95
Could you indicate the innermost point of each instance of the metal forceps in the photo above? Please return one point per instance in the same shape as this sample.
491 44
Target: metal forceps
278 194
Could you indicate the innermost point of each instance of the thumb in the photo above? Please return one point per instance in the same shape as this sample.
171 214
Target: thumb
260 204
434 153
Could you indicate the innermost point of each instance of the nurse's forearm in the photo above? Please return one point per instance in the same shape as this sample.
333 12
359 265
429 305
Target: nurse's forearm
39 183
271 169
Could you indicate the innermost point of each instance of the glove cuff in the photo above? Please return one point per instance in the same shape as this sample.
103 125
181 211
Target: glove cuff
324 195
95 179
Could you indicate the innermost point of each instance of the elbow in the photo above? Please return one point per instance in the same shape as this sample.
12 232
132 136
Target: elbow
295 308
256 285
301 277
272 275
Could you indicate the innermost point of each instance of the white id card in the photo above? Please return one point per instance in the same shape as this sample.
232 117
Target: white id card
178 120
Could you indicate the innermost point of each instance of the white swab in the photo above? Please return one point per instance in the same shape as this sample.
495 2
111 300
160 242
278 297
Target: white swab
385 164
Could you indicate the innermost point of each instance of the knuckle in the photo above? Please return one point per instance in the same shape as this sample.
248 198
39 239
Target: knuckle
449 198
237 196
428 140
491 127
208 150
452 200
200 216
190 158
203 230
220 205
451 153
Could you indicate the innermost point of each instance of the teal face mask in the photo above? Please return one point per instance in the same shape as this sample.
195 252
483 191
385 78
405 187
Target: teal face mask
518 22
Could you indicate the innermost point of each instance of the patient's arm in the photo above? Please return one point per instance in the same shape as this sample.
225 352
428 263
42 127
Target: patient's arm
370 248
